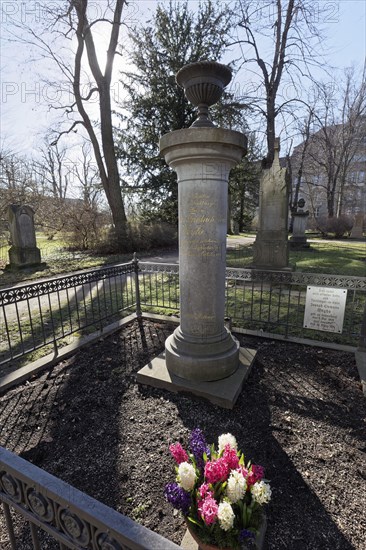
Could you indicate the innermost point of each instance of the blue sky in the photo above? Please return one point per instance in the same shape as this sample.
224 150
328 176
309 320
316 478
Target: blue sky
25 117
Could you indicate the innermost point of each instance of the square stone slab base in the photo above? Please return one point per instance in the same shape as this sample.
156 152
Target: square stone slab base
223 392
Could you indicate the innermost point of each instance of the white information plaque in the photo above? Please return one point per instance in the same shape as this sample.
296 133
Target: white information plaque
324 308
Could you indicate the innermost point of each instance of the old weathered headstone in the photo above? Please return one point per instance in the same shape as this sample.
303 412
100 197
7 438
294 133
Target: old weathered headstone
271 249
24 251
298 238
357 229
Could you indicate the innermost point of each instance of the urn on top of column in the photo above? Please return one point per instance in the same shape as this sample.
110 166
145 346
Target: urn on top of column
203 83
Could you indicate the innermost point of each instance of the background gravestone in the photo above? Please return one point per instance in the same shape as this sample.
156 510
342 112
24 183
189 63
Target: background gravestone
271 250
298 239
24 251
357 229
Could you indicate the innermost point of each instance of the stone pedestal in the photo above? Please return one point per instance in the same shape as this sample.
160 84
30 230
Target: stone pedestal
202 348
201 356
298 238
357 229
271 249
24 251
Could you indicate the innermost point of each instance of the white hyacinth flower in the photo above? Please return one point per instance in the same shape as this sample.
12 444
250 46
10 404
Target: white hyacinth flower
236 486
186 476
226 515
261 492
227 439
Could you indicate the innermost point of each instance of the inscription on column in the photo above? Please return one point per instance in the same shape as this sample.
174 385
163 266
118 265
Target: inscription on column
197 228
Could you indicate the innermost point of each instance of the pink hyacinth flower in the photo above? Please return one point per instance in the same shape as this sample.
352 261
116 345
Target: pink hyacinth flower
178 453
205 491
256 474
216 471
208 508
231 458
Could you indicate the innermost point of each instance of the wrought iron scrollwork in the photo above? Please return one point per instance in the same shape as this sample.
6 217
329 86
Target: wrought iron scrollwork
40 505
11 486
74 527
105 542
17 294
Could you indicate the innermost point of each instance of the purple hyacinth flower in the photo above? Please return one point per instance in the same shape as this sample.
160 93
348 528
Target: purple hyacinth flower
198 446
178 497
245 534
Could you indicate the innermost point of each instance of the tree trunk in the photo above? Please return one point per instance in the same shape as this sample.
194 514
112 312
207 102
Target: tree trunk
270 132
114 188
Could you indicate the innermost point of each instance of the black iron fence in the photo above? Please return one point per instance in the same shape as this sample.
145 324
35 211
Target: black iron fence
46 313
53 514
266 303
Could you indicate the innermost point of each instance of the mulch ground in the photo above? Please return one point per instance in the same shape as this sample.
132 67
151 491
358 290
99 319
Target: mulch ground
301 415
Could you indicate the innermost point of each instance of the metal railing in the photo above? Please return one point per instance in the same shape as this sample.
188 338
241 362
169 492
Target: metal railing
44 313
260 302
53 509
265 303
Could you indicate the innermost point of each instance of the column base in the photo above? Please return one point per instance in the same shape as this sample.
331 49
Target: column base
201 359
223 393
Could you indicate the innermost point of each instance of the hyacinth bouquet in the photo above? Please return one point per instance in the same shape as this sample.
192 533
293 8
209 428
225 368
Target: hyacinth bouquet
220 496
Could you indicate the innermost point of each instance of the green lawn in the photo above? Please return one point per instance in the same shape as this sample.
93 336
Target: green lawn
341 257
330 257
57 259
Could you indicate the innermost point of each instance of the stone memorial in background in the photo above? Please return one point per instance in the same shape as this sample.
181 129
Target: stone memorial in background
271 249
298 238
201 356
357 229
23 251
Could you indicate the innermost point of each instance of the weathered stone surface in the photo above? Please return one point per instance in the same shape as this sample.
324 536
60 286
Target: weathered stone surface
223 393
201 348
357 229
300 217
24 251
271 250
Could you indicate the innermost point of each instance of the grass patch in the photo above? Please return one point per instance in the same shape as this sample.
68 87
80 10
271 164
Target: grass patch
281 311
58 260
333 258
74 312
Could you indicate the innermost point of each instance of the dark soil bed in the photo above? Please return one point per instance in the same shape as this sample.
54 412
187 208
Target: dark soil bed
301 415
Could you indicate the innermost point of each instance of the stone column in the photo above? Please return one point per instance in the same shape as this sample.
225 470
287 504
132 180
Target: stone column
24 251
201 356
201 348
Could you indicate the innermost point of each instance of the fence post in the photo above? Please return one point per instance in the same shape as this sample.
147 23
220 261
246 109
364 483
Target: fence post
137 286
360 354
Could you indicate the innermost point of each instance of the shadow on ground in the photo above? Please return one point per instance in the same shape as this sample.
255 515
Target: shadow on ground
301 415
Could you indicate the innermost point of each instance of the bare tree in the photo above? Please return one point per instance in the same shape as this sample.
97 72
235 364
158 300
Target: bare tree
18 182
53 172
87 175
278 39
337 138
296 162
79 67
